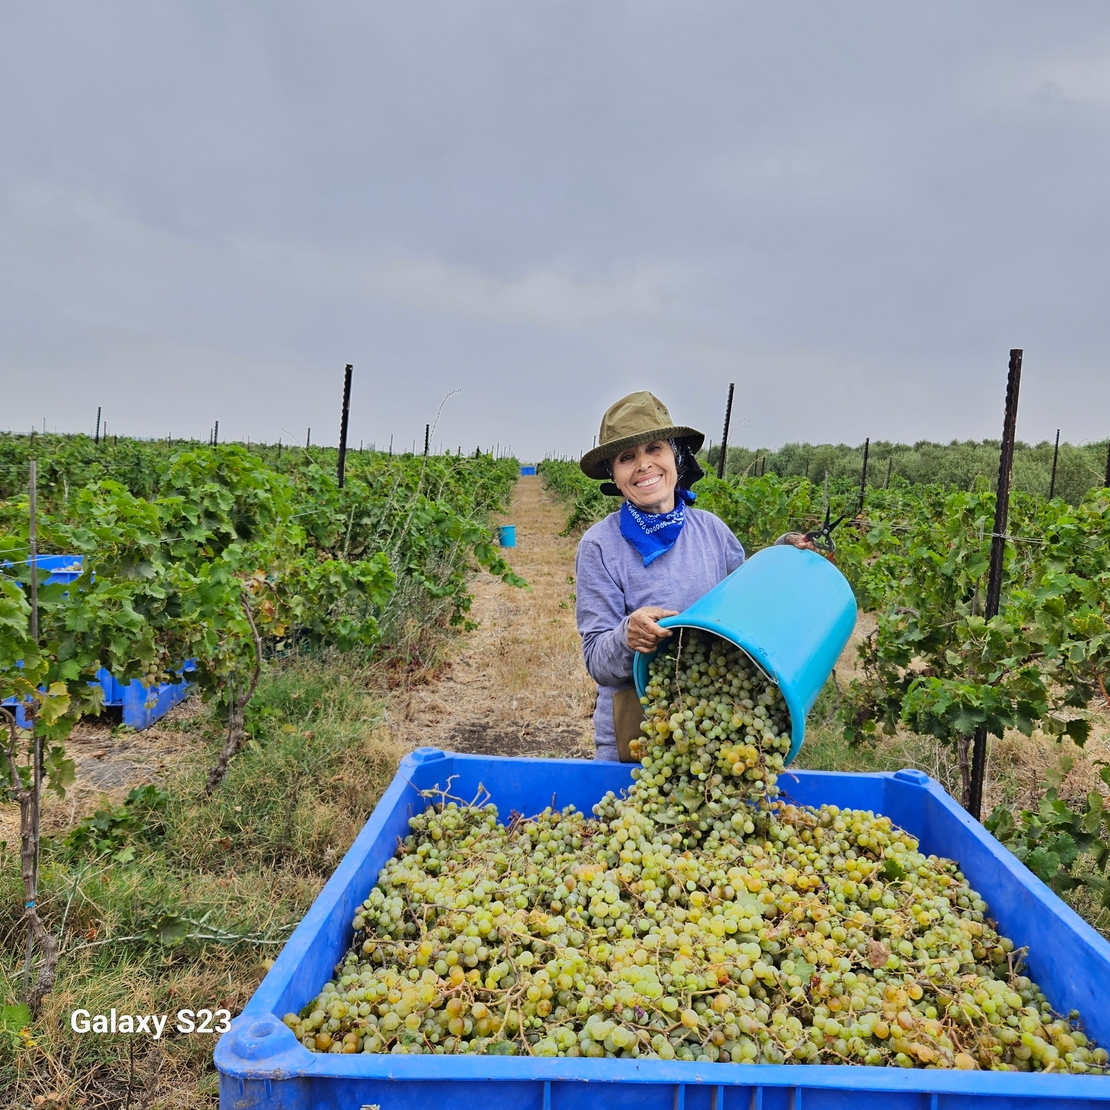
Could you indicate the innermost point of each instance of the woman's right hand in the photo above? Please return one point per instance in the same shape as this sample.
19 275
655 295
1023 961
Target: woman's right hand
644 633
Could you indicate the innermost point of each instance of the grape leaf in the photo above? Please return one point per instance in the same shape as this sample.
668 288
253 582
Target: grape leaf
169 929
804 970
877 954
1065 849
1043 863
1078 729
893 871
1093 816
1000 823
1054 776
14 1018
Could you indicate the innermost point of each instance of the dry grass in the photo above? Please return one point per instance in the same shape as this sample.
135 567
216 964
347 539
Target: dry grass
247 862
1017 764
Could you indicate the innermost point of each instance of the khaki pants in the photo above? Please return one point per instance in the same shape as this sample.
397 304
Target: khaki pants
628 714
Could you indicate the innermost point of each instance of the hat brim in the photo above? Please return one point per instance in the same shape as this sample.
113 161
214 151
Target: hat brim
593 462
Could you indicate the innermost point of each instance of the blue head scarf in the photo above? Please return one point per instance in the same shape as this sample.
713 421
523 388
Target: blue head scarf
651 534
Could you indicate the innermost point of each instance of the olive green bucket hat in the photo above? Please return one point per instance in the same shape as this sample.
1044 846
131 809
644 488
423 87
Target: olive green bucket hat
638 418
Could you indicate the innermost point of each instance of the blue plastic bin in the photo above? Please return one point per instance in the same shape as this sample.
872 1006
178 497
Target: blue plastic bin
525 471
141 705
506 535
261 1063
792 611
62 568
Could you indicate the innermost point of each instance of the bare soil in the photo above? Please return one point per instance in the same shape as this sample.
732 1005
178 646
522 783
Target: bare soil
109 761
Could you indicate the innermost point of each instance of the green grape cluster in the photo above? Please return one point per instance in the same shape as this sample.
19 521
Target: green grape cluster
701 917
716 733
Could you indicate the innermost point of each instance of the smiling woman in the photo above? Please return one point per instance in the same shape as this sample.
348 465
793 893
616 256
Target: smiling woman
647 475
651 559
648 560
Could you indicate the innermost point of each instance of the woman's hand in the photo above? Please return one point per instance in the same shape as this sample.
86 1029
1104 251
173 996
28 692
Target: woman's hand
798 539
644 633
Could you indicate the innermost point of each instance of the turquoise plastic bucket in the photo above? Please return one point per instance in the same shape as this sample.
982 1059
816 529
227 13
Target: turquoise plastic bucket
792 612
506 535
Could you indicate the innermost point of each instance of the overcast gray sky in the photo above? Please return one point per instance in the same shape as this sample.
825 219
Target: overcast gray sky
852 210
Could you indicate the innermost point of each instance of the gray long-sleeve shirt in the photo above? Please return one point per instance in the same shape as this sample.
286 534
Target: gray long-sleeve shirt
612 582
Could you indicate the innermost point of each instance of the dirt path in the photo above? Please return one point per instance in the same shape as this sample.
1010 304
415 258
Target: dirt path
515 685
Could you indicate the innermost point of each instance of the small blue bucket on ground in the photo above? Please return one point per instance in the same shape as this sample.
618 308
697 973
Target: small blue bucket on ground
506 535
792 612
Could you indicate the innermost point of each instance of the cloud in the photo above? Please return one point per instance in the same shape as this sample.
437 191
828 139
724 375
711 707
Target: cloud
1082 79
91 229
539 297
118 267
553 297
796 167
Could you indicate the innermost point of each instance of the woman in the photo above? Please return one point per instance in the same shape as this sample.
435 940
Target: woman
651 559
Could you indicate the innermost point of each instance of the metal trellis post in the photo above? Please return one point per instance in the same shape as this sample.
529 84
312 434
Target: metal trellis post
998 554
863 476
722 461
342 465
1055 456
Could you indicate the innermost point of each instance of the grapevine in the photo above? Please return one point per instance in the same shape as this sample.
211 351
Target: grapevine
917 557
220 556
704 917
215 554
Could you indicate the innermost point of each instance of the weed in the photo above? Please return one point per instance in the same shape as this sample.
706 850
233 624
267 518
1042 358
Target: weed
108 830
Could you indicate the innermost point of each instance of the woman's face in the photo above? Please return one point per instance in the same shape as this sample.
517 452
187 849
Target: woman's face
647 476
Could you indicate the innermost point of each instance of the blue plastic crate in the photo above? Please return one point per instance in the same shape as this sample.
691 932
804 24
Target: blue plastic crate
141 705
62 568
261 1063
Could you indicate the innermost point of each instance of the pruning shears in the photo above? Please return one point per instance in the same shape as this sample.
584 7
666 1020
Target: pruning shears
821 538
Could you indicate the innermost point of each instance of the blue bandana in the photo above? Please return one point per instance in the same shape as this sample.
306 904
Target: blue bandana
651 534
